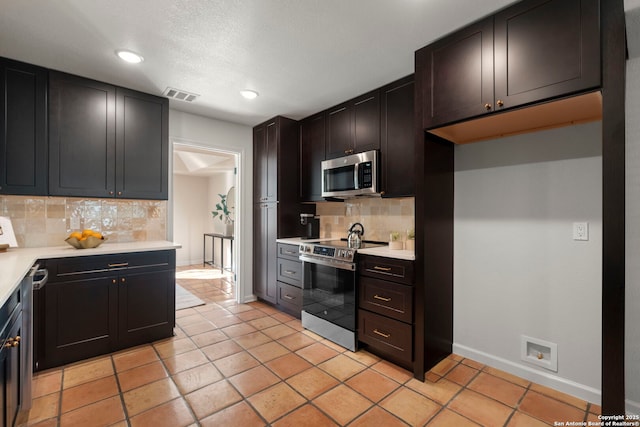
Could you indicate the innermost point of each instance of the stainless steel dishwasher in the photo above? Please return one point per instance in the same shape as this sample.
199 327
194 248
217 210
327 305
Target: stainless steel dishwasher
31 301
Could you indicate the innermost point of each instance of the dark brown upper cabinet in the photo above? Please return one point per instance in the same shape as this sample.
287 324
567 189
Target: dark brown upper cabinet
265 146
23 129
354 126
534 51
312 141
106 141
397 138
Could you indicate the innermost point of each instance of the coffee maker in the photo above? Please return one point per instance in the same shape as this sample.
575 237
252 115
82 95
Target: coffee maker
311 224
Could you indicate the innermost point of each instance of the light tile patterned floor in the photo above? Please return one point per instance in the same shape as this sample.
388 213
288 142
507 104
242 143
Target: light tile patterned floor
250 365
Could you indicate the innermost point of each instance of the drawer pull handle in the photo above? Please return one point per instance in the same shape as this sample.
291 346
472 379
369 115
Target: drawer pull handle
381 298
377 267
382 334
290 272
289 297
119 264
291 253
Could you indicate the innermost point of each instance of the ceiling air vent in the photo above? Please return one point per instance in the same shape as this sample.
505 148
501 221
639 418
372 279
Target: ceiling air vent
180 95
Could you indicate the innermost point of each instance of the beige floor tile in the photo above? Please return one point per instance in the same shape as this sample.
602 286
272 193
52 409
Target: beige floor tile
264 322
246 316
208 338
141 375
44 407
254 380
342 367
363 357
199 328
221 349
317 353
312 382
189 320
185 361
171 347
132 359
87 393
48 383
498 389
558 395
455 357
278 331
377 416
504 375
212 398
236 363
253 339
372 385
288 365
276 401
473 364
240 414
88 371
444 366
142 398
238 330
413 408
548 409
461 374
522 420
447 418
296 341
175 413
196 378
394 372
268 351
283 317
441 391
342 404
102 413
306 415
481 409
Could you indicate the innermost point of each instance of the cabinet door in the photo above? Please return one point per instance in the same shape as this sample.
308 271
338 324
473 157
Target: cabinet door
457 75
544 49
259 164
11 367
312 139
265 251
397 139
271 175
82 149
339 131
366 122
81 319
23 129
138 320
142 153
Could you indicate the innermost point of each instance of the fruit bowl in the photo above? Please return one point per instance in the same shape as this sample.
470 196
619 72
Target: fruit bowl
86 243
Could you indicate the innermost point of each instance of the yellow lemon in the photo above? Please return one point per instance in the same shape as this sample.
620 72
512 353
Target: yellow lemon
76 234
86 233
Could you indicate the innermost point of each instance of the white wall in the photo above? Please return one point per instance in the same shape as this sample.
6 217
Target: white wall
220 183
205 132
191 217
632 232
517 270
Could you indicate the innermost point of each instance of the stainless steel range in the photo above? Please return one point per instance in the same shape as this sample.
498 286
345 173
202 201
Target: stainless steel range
329 297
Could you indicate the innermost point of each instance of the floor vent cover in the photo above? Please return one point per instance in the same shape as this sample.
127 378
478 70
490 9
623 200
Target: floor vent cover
180 95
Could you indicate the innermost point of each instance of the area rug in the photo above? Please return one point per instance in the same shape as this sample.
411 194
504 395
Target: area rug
185 299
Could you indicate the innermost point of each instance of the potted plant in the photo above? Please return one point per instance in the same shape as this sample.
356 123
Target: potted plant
394 240
223 213
410 245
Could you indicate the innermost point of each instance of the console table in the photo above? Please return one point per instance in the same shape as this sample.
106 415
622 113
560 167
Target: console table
212 262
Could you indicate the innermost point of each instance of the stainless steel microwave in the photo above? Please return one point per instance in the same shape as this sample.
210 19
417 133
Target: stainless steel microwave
354 175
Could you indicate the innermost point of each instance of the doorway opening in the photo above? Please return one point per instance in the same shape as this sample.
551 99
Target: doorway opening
204 221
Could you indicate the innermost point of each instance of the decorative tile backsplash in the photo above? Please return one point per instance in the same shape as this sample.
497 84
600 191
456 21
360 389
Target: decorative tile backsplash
47 221
378 216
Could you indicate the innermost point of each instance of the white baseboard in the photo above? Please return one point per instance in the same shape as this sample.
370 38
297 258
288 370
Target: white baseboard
535 375
249 298
183 263
632 407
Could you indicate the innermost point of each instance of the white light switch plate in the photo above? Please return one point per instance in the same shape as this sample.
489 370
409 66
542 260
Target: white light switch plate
580 231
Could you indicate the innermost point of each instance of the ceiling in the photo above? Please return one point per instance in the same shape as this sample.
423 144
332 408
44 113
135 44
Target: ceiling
302 56
194 161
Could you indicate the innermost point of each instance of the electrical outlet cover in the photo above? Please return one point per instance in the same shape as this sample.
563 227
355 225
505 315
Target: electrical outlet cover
580 231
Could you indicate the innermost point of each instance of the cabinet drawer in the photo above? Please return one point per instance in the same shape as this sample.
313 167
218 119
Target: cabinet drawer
290 272
387 298
289 298
387 335
288 251
396 270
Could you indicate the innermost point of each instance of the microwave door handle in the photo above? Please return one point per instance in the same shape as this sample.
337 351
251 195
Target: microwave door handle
356 176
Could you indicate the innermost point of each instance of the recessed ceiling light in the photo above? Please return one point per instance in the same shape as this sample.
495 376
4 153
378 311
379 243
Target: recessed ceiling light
129 56
249 94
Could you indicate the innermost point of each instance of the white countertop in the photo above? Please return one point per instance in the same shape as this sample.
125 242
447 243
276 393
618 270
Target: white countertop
16 262
377 251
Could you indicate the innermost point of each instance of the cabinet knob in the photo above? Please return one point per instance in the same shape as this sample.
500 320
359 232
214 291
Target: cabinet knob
111 193
500 103
348 151
119 193
122 280
487 107
113 281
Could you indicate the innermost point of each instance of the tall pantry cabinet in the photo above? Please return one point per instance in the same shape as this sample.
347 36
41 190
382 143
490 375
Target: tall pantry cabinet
276 211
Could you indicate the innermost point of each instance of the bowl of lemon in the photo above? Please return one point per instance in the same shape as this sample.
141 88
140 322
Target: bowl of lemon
86 239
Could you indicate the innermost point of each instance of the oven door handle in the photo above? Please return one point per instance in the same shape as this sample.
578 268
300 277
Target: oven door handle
350 266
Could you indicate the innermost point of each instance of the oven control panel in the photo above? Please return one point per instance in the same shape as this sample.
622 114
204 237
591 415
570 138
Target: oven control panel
330 252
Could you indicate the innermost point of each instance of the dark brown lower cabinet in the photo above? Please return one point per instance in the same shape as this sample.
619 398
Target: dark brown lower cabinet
385 308
99 304
289 284
11 369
